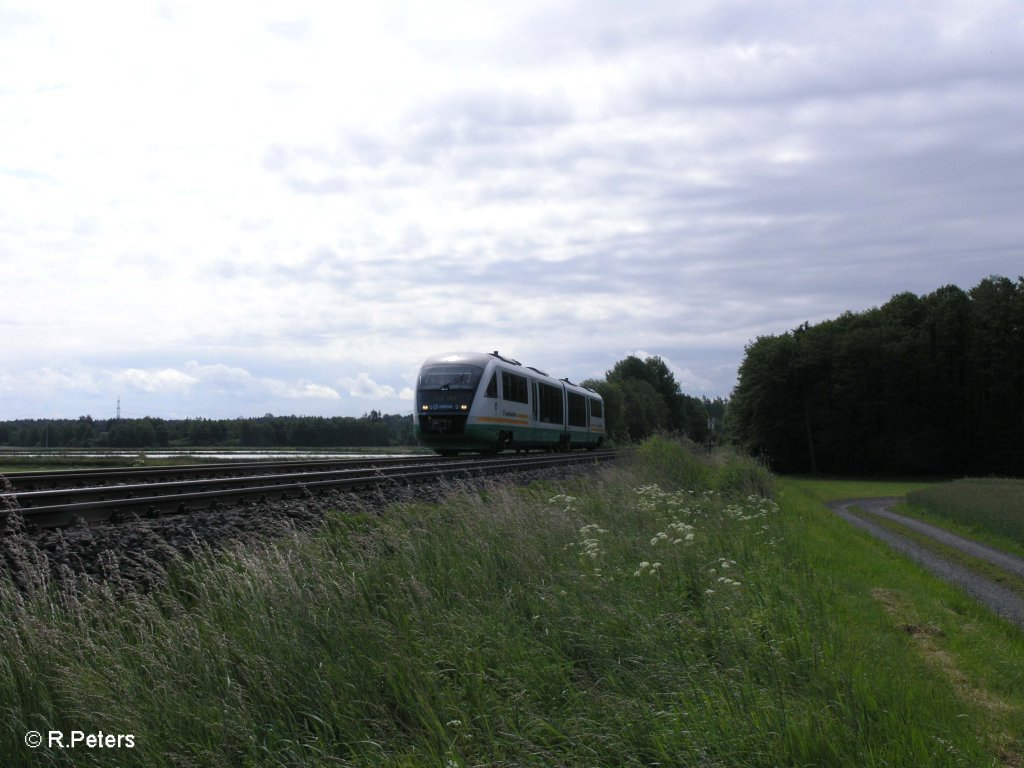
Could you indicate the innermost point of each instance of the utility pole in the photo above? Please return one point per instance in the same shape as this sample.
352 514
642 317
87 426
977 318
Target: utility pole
118 408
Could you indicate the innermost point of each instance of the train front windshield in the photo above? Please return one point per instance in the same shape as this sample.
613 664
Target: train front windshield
450 377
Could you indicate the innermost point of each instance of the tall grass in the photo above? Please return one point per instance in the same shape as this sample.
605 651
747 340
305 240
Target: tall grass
656 614
991 505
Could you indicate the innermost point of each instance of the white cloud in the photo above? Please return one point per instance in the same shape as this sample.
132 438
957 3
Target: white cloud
363 386
223 379
688 381
222 376
166 381
305 390
47 381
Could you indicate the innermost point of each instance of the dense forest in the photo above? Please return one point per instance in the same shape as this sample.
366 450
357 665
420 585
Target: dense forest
928 384
642 398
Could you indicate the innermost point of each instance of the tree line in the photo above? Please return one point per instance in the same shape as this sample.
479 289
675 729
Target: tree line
372 429
929 384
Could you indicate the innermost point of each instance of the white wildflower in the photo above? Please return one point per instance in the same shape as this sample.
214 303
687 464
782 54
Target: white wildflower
590 546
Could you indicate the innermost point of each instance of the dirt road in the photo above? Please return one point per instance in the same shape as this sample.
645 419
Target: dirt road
1003 601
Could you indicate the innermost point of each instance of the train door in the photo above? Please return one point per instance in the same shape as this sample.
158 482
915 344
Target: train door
579 417
514 414
597 420
490 403
535 415
565 441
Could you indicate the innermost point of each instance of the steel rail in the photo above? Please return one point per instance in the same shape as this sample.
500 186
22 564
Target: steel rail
28 499
44 479
67 506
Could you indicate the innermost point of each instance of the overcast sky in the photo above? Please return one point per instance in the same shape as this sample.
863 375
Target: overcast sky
226 209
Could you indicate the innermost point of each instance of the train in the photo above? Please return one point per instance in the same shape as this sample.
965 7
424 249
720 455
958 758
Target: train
486 403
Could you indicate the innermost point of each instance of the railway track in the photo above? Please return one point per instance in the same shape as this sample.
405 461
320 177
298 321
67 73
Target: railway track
74 497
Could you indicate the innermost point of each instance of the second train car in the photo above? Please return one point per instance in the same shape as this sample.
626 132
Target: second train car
468 401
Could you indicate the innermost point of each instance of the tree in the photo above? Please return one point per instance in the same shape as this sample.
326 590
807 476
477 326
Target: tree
652 401
931 384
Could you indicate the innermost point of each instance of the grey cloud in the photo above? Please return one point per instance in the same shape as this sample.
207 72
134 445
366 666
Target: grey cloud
489 111
742 56
907 174
713 254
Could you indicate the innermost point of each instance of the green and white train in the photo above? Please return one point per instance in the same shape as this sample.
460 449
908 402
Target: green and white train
469 401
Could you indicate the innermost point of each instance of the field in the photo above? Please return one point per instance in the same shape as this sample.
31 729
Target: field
660 613
989 508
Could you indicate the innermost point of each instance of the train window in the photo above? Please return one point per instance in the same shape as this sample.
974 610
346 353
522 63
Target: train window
596 408
492 386
551 405
577 410
450 377
515 387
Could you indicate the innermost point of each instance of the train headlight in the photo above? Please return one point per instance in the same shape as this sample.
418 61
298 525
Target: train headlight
463 407
424 407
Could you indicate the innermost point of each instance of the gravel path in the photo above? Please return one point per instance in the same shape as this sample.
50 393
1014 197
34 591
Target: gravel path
1003 601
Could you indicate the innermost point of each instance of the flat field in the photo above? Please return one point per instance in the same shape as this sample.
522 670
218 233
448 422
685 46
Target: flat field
989 508
664 612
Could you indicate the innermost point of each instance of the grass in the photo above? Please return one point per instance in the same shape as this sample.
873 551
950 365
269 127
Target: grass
835 489
989 509
978 565
980 655
654 614
69 461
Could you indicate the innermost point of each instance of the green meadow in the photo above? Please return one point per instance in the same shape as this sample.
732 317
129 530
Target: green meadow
991 509
670 611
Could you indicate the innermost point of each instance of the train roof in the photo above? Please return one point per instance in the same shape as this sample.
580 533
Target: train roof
483 358
456 358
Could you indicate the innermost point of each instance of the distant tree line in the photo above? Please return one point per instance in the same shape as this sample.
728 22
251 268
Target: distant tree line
928 384
643 398
372 429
